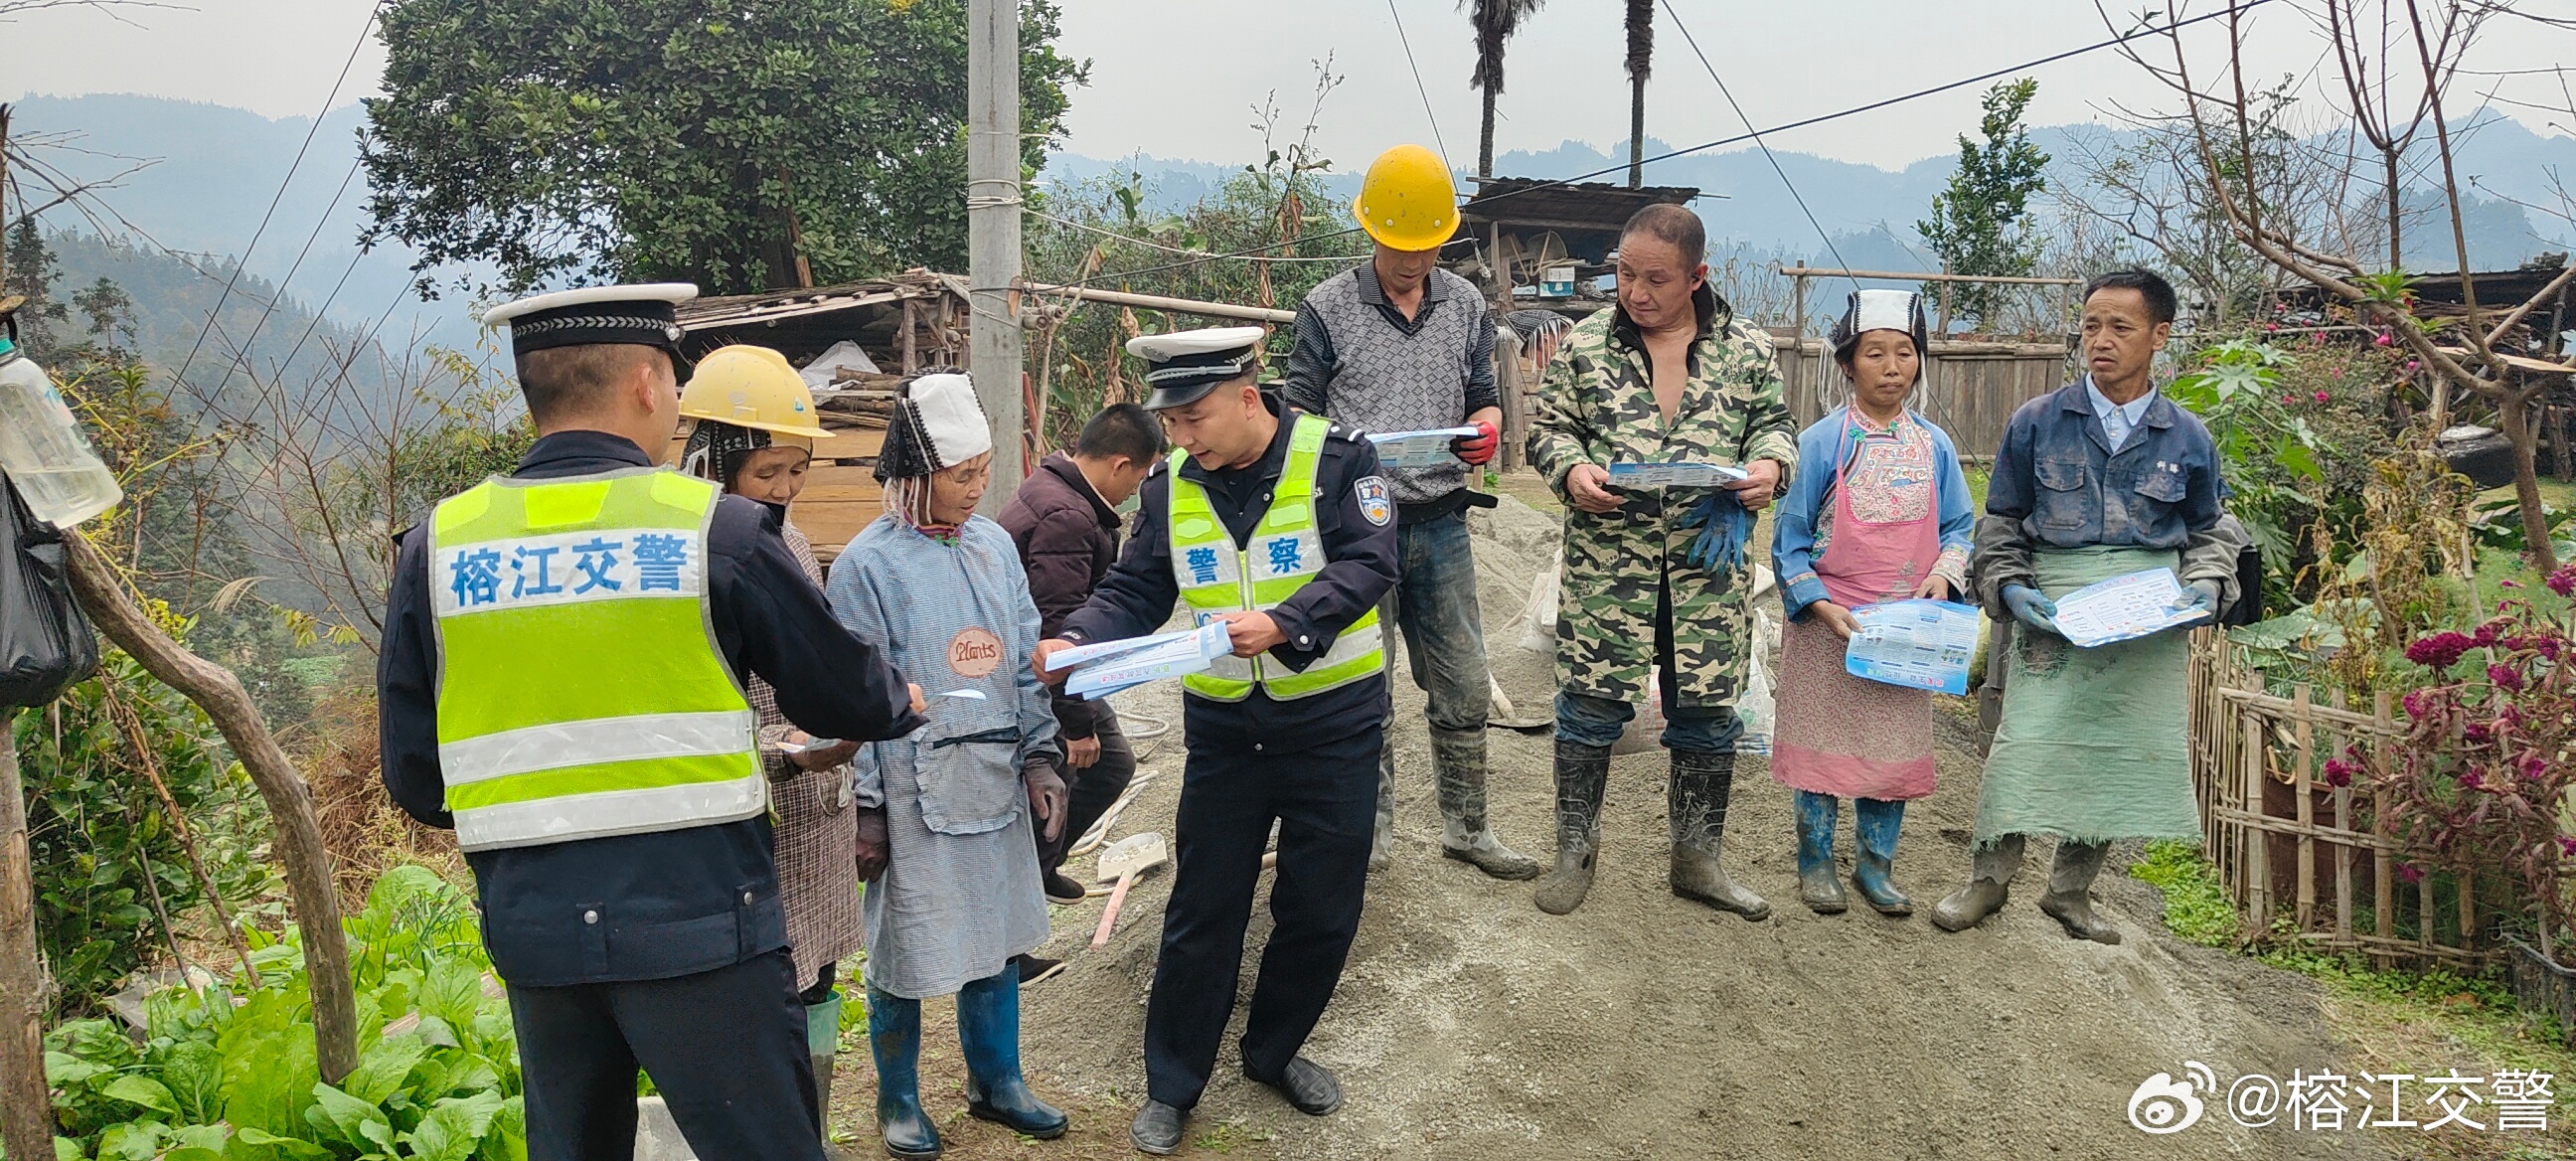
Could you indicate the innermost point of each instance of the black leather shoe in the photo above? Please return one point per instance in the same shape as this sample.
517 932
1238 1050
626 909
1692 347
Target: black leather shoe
1157 1129
1309 1087
1060 888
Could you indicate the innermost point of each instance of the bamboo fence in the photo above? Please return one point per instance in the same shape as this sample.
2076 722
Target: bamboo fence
2304 861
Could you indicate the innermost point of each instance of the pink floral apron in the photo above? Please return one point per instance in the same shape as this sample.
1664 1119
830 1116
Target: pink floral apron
1838 734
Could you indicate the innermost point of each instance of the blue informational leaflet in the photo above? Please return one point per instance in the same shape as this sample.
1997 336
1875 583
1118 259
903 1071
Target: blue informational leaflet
1917 644
1165 655
1418 449
1674 475
2124 608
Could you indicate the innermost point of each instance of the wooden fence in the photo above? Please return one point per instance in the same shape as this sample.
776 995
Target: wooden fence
2305 861
1970 388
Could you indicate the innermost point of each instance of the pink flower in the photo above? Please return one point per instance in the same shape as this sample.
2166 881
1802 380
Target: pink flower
2338 772
2469 780
2322 396
2410 873
2510 584
2487 634
2532 767
2566 845
2438 651
2412 365
2385 339
2478 733
2415 702
2505 676
2287 399
2563 581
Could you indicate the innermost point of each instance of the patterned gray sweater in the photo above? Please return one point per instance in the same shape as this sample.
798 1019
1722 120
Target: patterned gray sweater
1359 361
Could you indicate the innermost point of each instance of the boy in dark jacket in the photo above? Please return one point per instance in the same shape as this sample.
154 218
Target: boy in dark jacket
1065 520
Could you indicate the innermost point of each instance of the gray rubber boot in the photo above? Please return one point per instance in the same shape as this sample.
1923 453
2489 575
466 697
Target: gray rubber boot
1582 773
1382 839
1459 756
2070 891
1701 783
1986 890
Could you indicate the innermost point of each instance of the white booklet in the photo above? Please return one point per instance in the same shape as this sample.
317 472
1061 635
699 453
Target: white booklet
1153 659
2123 608
1418 449
1674 475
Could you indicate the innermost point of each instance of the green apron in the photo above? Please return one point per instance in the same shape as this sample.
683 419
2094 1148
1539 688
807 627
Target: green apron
2093 744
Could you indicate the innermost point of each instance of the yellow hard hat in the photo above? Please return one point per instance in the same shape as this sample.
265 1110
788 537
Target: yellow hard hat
749 386
1407 201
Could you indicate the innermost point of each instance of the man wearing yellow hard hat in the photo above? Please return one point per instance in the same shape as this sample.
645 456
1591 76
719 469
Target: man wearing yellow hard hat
751 429
1398 345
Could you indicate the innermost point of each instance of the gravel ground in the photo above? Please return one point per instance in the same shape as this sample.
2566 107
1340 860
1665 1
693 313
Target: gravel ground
1470 1025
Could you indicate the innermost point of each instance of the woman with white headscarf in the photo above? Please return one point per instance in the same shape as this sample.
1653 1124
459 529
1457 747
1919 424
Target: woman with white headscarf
942 591
1882 515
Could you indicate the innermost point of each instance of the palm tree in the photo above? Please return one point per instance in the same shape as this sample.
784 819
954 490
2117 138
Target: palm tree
1495 21
1641 61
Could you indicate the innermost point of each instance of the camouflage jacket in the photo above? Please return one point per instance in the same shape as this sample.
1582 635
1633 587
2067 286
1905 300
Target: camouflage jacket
1597 406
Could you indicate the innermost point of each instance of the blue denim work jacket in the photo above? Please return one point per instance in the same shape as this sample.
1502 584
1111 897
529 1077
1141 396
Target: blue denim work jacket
2057 475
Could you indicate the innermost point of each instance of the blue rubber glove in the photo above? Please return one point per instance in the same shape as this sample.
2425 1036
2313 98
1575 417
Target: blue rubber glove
2201 595
2031 607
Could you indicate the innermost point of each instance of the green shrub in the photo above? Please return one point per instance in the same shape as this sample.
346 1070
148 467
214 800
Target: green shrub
228 1073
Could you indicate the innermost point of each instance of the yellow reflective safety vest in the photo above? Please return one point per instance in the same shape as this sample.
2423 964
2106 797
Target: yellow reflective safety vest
581 692
1283 550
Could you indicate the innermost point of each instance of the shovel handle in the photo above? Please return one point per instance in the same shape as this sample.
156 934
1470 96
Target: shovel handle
1109 915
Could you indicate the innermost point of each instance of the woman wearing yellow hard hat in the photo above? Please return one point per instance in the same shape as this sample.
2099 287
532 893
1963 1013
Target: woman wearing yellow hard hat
753 432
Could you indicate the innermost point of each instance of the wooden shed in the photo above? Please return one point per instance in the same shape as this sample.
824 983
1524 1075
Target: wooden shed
901 324
1527 228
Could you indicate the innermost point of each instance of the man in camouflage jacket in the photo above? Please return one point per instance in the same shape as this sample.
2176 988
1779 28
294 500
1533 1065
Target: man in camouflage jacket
1633 599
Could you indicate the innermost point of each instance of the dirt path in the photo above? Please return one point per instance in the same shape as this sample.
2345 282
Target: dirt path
1470 1025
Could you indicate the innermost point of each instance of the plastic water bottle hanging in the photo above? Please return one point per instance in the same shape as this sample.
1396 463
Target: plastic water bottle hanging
42 448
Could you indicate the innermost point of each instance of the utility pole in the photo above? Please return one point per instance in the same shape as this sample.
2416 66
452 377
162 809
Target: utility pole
994 353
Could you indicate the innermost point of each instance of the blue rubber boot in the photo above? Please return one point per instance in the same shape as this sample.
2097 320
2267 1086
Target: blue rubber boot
894 1037
988 1029
1817 885
1875 823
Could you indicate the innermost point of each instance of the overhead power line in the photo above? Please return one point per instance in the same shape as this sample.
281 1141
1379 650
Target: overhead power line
1767 155
1821 118
1418 86
243 263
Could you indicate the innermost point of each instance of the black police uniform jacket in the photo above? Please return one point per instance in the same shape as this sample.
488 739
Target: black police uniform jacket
1361 558
672 903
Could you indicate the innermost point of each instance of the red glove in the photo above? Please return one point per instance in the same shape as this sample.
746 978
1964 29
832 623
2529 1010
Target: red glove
1477 449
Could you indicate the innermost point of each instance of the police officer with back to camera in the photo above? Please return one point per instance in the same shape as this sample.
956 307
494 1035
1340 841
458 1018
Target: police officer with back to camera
1278 523
562 683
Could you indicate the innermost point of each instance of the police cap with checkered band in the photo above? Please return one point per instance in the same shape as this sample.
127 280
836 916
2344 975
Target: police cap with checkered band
1186 365
644 315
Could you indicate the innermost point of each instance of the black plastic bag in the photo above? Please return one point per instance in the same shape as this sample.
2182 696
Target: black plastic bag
45 642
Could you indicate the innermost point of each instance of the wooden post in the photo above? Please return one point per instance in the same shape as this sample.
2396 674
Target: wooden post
993 232
911 328
2303 734
26 1108
290 802
2383 888
2258 852
1798 346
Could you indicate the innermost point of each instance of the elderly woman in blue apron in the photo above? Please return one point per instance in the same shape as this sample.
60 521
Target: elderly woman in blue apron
1891 521
959 804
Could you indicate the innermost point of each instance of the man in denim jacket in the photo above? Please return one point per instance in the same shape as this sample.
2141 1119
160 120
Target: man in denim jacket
2102 478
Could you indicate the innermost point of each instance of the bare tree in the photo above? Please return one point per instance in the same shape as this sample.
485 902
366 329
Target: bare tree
2427 40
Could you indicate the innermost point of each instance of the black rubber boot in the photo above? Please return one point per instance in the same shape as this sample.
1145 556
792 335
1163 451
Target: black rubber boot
1986 891
2070 891
1459 758
1701 783
1582 773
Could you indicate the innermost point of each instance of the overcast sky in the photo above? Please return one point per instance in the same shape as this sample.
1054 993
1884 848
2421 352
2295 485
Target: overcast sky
1179 78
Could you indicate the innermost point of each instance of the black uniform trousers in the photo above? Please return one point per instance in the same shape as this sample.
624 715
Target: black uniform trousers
1092 789
1325 801
726 1048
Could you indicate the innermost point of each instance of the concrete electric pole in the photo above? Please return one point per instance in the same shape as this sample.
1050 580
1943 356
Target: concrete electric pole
993 233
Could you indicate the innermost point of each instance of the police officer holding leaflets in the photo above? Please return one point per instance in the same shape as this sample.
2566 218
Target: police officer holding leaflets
1279 524
562 683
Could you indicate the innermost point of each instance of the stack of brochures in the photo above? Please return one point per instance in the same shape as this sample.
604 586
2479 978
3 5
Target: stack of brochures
1104 669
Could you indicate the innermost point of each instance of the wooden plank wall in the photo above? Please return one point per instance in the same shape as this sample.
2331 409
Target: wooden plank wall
1971 392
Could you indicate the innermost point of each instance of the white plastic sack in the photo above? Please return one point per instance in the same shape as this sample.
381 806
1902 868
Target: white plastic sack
844 355
1755 707
1538 618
